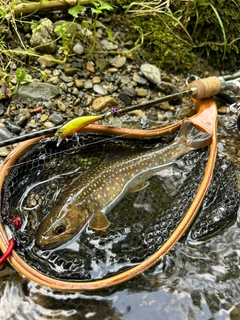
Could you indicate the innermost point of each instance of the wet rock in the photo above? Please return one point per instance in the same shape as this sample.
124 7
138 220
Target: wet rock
78 48
151 72
118 61
5 134
56 118
43 37
100 89
21 120
125 98
12 126
37 91
139 79
102 64
103 102
108 45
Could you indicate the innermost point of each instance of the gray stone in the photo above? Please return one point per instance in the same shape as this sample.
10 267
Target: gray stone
78 48
118 61
37 91
56 118
125 98
5 133
100 90
43 37
108 45
88 84
12 126
21 120
151 72
139 79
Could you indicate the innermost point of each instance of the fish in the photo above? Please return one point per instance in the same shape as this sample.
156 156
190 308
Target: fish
89 199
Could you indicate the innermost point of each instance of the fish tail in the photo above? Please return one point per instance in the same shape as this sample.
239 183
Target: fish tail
193 137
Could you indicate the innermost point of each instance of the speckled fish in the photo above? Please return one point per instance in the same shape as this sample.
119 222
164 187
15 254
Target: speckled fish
101 188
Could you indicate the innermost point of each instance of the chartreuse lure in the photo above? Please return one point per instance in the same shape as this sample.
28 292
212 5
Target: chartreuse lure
75 125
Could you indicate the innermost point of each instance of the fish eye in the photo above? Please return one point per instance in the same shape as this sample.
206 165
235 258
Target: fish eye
59 228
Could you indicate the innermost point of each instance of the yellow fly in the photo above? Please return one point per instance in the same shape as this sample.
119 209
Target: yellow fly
75 125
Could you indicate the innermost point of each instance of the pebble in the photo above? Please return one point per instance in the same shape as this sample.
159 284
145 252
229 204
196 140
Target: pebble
48 124
70 71
108 45
21 120
151 72
44 117
88 84
124 79
90 66
4 152
78 48
103 102
56 118
5 133
65 78
138 113
96 80
125 98
130 91
12 126
78 83
100 89
118 61
139 79
141 92
61 106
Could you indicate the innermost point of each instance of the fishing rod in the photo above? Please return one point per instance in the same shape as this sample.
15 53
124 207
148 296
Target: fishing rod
196 88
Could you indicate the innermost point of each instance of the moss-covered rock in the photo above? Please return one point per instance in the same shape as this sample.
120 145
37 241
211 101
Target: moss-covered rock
189 31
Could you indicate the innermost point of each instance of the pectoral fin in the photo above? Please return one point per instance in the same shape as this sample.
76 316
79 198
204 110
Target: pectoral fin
99 221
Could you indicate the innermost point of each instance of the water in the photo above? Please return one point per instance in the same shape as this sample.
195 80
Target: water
194 281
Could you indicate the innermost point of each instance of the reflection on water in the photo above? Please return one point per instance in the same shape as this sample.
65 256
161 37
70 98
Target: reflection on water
194 281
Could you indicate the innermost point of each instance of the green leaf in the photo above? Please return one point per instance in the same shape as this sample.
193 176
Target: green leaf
74 11
20 74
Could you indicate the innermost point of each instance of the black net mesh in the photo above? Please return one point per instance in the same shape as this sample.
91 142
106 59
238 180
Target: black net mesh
140 223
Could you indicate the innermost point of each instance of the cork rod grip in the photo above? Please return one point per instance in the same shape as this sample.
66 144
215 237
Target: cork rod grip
206 88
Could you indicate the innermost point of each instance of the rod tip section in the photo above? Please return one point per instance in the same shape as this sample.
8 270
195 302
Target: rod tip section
206 88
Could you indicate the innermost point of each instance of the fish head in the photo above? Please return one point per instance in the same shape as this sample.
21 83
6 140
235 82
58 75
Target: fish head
55 231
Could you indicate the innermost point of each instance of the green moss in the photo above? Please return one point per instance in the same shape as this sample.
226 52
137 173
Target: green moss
191 30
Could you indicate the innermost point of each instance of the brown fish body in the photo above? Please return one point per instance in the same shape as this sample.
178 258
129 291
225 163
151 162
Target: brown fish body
101 188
